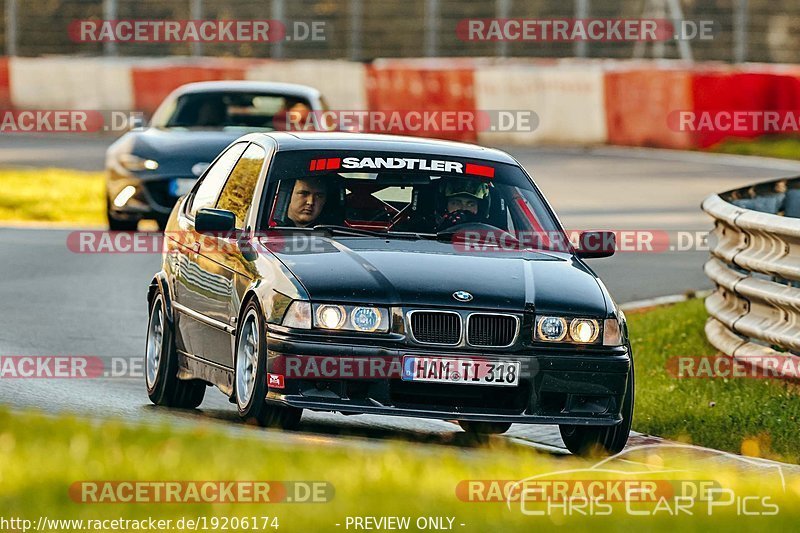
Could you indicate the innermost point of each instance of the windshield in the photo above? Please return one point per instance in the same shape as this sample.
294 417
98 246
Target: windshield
231 110
393 193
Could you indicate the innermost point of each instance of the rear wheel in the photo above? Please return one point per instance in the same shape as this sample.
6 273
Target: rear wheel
250 384
161 364
603 440
484 428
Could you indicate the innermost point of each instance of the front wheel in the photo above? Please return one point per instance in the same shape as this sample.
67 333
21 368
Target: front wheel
605 440
250 385
161 364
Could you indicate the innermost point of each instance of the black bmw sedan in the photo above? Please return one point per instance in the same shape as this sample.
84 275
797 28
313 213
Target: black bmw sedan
386 275
148 169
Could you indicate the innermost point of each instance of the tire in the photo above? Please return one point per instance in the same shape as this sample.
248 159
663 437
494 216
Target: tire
484 428
161 364
603 440
115 224
250 375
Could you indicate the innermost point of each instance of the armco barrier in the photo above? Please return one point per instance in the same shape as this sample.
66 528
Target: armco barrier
569 101
755 264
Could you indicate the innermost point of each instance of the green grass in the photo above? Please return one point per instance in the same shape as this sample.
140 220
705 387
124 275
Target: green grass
759 414
52 195
781 146
40 458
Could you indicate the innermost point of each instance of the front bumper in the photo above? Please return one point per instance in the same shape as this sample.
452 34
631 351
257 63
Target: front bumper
555 387
154 197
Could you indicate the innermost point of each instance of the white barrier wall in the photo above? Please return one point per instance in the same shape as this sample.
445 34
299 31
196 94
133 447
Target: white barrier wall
70 83
342 83
569 101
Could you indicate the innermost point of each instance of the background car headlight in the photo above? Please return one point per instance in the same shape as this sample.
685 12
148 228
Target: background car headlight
551 328
584 330
136 163
298 315
330 316
365 318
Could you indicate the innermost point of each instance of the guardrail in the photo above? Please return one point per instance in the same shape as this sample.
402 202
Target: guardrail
755 264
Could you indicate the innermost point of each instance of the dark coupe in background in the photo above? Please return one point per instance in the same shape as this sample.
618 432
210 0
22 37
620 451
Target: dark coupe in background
299 259
149 169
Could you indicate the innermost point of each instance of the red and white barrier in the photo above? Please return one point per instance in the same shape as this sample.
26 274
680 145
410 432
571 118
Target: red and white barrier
70 83
342 83
408 87
577 102
569 102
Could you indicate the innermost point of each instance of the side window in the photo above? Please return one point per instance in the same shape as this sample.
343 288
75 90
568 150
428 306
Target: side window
237 195
207 192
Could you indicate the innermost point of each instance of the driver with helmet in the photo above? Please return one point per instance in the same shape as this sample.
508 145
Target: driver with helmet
464 201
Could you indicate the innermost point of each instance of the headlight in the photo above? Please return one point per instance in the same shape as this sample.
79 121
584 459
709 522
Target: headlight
363 319
136 163
612 332
551 328
584 330
298 315
330 316
567 329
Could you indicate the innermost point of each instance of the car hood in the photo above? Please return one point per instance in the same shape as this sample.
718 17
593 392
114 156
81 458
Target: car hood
424 273
177 151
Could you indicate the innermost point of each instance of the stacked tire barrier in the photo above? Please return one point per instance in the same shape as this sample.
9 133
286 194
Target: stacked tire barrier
755 264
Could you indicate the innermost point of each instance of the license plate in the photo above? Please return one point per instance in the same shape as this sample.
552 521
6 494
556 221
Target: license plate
181 186
461 371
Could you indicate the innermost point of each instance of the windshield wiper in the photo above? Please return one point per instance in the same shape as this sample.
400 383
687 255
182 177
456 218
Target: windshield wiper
347 230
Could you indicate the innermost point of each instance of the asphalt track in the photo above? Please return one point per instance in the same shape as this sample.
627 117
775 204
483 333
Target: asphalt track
56 302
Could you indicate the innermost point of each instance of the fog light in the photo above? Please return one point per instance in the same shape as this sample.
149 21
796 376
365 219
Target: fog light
365 318
330 316
124 195
551 328
583 330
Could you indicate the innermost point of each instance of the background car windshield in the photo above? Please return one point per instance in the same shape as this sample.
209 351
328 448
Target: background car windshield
410 200
229 110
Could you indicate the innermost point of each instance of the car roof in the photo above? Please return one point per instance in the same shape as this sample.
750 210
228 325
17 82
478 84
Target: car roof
342 141
294 89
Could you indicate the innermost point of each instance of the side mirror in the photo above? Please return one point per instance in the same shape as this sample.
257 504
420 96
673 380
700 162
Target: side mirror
594 244
214 221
